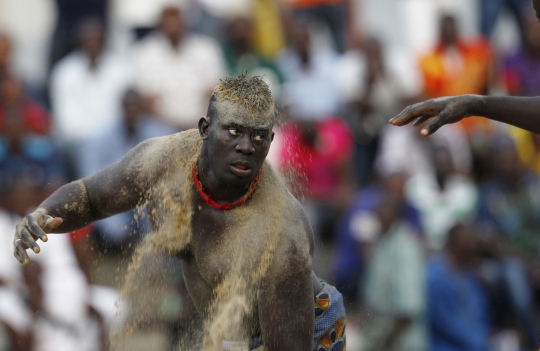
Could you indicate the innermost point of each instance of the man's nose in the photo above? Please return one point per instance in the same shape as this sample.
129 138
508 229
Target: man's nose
245 145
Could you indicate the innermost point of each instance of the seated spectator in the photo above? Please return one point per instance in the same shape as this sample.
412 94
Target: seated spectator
241 57
520 77
108 147
491 10
310 90
86 88
458 312
177 70
375 86
508 203
13 101
354 230
444 197
456 67
27 161
5 56
508 207
332 13
317 158
395 284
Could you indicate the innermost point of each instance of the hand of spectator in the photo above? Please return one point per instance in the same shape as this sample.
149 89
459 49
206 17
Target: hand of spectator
33 226
446 110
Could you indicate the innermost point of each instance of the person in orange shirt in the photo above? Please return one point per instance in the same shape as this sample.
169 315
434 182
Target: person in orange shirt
456 66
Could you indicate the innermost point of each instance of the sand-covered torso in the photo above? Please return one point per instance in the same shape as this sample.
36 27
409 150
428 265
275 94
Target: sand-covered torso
226 254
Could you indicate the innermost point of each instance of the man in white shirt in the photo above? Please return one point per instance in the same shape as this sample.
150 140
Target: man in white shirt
87 88
177 70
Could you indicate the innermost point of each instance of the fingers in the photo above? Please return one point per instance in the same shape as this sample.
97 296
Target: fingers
52 223
20 252
28 240
36 230
421 120
409 114
434 125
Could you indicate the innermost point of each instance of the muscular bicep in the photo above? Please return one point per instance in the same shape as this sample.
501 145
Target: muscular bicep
118 187
286 311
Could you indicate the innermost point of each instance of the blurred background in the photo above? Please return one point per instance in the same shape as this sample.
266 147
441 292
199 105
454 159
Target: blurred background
434 242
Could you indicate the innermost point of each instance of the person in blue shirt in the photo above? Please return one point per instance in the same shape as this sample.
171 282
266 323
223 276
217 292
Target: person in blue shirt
457 303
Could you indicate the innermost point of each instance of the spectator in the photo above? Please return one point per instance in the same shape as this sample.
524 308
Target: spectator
490 11
520 77
457 303
508 207
177 70
310 90
69 16
14 102
443 197
86 88
5 56
241 57
355 230
375 88
333 13
29 163
456 67
108 147
394 286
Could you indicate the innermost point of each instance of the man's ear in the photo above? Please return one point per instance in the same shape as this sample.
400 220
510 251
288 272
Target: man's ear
204 125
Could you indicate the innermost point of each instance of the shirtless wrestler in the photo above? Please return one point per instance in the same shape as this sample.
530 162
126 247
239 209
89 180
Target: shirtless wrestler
241 219
522 112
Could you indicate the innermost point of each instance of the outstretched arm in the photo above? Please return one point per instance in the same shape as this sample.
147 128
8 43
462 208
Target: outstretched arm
113 190
522 112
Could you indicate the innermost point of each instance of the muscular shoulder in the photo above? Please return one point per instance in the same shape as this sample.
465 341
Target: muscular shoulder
156 157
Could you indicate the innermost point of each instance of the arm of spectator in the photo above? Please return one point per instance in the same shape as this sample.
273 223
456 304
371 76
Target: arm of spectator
113 190
521 112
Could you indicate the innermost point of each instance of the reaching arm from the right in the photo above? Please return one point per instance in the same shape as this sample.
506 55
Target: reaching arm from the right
522 112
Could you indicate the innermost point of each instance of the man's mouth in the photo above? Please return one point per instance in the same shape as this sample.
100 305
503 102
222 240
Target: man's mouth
241 169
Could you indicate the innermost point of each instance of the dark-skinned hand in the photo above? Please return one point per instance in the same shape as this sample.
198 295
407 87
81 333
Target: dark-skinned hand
445 110
33 227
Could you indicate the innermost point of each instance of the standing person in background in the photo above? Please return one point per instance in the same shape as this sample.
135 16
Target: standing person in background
520 77
177 70
242 58
490 11
394 286
86 89
457 303
456 66
443 196
5 55
333 13
70 14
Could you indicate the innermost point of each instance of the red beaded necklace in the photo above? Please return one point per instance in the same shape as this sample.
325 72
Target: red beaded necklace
214 204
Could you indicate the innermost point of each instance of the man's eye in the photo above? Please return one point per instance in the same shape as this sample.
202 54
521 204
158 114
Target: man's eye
233 131
258 137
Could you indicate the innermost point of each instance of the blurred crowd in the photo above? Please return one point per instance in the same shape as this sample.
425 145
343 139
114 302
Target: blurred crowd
434 242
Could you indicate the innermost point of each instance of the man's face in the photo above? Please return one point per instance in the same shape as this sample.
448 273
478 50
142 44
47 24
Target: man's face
172 24
237 141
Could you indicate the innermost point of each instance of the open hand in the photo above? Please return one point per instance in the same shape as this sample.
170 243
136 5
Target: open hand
32 227
446 110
